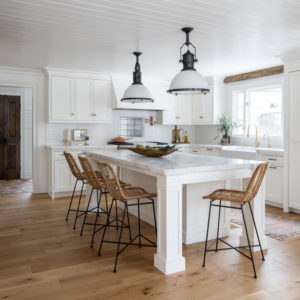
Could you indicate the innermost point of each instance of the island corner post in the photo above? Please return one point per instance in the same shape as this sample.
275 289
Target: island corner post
182 214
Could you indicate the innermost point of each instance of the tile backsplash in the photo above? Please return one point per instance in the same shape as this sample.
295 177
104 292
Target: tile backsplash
102 133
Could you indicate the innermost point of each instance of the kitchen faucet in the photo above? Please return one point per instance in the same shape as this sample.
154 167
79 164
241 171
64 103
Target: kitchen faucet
256 135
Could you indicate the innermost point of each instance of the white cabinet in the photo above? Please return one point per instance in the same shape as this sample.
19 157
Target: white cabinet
93 100
61 98
102 101
189 110
63 176
274 185
60 178
184 109
84 99
274 178
202 108
79 97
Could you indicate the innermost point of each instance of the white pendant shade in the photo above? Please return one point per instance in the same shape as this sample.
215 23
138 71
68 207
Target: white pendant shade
137 93
188 82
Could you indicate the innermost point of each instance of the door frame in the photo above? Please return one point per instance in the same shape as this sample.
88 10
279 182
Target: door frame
26 113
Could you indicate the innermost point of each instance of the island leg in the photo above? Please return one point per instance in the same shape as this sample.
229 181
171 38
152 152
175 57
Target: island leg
168 258
258 208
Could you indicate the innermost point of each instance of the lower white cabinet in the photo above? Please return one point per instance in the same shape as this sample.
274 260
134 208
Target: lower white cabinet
60 178
274 178
274 184
63 178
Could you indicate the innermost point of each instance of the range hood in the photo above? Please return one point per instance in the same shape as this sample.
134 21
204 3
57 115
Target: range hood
157 87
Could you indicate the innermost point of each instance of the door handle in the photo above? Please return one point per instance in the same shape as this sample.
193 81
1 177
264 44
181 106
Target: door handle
4 141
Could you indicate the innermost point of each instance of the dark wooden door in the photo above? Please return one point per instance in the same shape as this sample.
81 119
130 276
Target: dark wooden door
10 110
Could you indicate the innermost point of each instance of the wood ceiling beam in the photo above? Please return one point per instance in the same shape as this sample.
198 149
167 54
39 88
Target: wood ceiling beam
255 74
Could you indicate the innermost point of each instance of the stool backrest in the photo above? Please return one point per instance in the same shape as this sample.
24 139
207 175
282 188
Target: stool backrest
90 173
111 180
73 165
255 182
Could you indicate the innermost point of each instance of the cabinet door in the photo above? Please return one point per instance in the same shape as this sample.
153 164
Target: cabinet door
84 99
274 182
184 113
102 101
202 108
292 116
63 176
61 98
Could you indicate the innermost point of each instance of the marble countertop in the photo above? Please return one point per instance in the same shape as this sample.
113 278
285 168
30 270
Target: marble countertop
173 164
79 147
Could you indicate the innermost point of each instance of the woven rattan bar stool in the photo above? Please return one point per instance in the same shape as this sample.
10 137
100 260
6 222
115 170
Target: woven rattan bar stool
95 180
125 195
240 198
80 176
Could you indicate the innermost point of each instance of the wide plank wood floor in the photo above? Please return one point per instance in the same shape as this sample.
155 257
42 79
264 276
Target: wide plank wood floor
41 257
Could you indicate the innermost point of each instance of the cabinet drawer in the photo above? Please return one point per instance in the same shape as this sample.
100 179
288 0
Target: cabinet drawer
273 159
59 155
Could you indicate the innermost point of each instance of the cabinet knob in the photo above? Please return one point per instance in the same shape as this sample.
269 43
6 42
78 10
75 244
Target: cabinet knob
201 117
177 117
72 114
93 115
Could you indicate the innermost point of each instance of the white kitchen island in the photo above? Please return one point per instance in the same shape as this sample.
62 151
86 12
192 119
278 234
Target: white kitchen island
180 181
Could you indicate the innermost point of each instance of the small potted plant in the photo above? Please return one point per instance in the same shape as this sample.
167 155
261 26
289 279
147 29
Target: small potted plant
225 126
86 140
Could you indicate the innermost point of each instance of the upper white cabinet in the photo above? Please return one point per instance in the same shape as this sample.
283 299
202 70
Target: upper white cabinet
203 108
61 95
189 110
79 97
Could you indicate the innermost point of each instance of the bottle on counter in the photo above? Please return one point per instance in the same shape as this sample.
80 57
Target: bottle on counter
185 138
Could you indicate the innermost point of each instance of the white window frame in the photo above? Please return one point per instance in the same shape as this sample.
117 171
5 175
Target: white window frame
247 86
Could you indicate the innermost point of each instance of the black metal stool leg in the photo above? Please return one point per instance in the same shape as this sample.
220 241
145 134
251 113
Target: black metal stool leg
204 257
139 222
105 193
105 227
120 238
96 218
251 255
128 224
262 253
78 206
218 229
154 217
86 211
116 209
67 217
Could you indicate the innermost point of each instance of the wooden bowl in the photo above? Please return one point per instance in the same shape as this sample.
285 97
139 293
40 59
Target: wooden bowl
153 153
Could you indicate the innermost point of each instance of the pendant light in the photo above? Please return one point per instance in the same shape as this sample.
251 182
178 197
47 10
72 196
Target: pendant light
137 92
188 81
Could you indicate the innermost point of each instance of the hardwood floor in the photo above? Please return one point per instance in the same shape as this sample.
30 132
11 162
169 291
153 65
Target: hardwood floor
41 257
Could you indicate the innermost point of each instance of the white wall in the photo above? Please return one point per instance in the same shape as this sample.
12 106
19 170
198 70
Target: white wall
102 133
13 77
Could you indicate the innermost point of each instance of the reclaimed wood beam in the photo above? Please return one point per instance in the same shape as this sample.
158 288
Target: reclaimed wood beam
254 74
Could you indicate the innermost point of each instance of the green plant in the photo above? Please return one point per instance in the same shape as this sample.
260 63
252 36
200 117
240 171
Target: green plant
226 125
87 138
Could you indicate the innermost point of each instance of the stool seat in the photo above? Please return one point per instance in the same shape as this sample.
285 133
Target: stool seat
226 195
241 198
135 192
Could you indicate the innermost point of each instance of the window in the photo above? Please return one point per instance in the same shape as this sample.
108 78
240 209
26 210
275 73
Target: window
261 106
131 127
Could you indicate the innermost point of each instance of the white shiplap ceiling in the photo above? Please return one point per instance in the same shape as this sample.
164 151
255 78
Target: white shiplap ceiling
231 36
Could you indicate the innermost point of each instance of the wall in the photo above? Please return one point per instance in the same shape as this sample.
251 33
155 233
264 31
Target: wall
30 78
102 133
